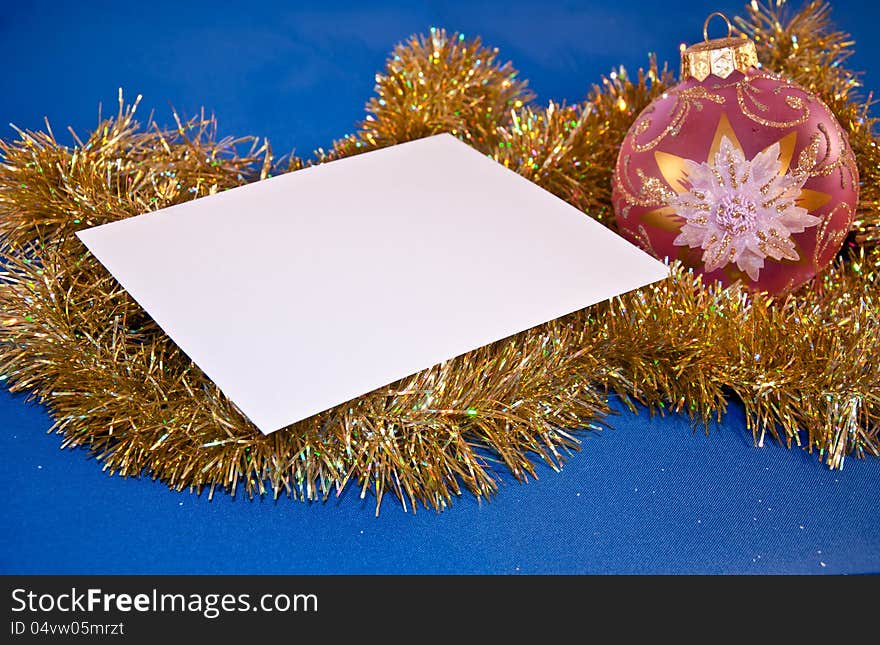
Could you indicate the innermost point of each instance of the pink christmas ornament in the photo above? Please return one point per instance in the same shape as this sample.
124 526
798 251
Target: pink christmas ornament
738 173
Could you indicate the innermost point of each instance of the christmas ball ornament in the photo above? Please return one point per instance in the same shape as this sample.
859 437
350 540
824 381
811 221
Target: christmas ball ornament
737 172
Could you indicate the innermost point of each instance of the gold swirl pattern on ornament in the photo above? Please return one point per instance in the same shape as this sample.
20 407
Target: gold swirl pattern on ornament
849 161
846 158
843 163
685 101
653 193
811 165
808 159
747 96
631 194
827 238
654 188
821 167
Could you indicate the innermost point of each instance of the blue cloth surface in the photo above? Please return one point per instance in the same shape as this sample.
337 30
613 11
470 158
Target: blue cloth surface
648 496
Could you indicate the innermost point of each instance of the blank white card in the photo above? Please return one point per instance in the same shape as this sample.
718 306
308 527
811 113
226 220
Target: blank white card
306 290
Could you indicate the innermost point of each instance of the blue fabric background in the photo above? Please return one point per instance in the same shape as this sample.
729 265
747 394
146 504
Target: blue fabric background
647 496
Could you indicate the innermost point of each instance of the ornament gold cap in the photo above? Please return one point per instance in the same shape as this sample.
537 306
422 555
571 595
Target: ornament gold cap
718 56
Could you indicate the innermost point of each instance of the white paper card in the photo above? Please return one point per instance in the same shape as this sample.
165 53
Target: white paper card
306 290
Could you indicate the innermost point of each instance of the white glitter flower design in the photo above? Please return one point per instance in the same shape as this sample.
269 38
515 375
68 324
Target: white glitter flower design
741 211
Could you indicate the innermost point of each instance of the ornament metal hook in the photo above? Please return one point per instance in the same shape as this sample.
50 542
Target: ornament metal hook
709 19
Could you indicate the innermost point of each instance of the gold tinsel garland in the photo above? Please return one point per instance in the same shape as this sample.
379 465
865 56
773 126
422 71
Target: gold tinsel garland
805 367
